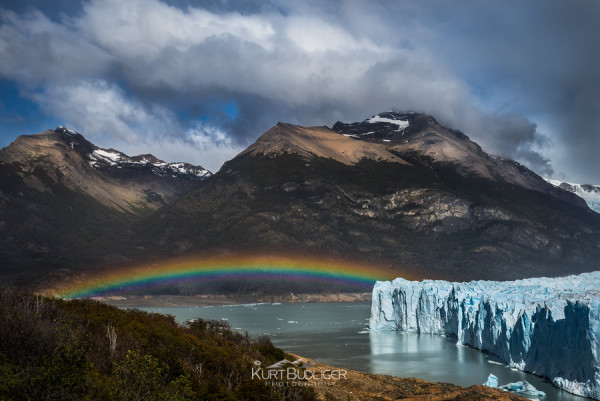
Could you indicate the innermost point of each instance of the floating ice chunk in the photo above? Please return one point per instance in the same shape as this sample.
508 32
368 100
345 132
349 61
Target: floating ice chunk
492 381
523 388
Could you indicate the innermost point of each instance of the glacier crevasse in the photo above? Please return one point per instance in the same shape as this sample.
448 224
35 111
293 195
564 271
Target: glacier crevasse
547 326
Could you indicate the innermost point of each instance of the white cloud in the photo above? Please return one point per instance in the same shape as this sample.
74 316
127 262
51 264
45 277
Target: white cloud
196 147
289 59
96 108
146 28
204 144
313 34
108 117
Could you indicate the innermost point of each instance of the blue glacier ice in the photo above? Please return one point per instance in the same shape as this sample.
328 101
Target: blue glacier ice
547 326
492 381
524 389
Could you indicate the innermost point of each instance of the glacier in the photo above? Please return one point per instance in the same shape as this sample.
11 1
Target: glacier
546 326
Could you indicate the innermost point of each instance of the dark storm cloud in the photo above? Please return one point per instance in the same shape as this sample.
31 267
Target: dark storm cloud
203 79
538 58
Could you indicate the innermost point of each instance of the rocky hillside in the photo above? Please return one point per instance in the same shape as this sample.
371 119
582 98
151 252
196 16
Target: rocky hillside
360 386
59 193
398 189
407 133
589 193
120 182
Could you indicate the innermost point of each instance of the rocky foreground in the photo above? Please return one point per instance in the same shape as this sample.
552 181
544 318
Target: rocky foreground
364 386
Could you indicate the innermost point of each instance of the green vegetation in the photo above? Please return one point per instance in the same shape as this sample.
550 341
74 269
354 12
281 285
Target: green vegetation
65 350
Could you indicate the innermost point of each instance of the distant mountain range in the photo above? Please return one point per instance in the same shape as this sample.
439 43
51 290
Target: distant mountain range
397 189
60 194
589 193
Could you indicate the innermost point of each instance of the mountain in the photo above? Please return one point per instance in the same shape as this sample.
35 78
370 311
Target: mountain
397 189
589 193
421 134
60 193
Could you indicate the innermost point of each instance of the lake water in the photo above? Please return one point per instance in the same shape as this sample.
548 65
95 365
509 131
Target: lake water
337 334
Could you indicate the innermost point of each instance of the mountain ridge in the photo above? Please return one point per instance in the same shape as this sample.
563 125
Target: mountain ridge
397 190
104 174
489 219
58 202
423 134
316 141
588 192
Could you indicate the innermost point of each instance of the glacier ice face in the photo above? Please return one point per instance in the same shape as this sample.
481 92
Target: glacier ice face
546 326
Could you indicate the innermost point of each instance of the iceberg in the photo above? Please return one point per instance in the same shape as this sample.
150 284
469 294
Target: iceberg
546 326
524 389
492 381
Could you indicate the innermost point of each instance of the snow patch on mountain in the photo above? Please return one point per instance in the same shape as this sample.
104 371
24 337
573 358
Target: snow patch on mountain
358 136
109 158
589 193
546 326
402 124
380 127
64 130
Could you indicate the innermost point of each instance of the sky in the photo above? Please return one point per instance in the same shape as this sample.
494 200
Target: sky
199 81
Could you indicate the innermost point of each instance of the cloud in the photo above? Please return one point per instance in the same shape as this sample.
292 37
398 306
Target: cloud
143 30
96 107
534 58
152 72
203 145
108 117
38 51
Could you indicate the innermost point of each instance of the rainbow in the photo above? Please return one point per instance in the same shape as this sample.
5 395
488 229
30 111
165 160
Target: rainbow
215 268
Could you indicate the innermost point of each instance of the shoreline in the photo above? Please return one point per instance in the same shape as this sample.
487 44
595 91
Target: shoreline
147 301
352 385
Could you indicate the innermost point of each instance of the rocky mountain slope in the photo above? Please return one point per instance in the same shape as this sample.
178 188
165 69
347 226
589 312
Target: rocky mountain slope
59 193
407 133
589 193
398 189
